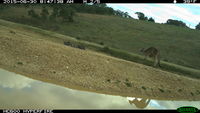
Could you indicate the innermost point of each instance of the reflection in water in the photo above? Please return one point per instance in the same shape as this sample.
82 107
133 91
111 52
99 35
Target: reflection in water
18 91
140 103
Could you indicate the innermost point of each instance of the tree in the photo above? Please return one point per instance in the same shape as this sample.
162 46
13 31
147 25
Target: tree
119 13
176 23
67 14
198 26
141 16
109 11
44 14
151 20
32 14
126 15
103 5
55 13
4 6
71 15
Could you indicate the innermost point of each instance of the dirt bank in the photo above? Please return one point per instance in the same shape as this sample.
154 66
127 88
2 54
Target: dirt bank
23 53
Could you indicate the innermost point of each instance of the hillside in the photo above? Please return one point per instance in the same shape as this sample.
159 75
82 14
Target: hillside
120 37
31 53
177 45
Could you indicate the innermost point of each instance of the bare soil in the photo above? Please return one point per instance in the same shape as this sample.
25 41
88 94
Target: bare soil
26 53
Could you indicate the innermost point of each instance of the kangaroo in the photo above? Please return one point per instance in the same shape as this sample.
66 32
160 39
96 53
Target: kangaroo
140 103
152 52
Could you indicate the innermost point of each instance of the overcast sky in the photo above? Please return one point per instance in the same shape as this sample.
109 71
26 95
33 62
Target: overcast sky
188 13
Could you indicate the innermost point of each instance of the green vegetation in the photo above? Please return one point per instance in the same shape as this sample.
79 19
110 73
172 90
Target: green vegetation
176 23
141 16
161 90
118 81
108 80
114 35
144 88
151 20
197 92
32 14
198 26
128 84
19 63
180 90
101 43
44 14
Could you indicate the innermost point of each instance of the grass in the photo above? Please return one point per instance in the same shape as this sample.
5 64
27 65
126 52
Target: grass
128 34
169 91
121 43
59 38
118 81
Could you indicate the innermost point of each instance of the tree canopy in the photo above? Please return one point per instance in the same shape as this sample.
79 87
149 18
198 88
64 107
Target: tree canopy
176 23
151 19
141 16
198 26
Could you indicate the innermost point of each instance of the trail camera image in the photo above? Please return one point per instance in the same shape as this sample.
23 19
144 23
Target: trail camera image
59 54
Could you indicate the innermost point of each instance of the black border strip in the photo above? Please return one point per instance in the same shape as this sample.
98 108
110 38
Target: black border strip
82 110
137 1
97 1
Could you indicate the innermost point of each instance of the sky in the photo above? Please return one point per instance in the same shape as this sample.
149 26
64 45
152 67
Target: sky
188 13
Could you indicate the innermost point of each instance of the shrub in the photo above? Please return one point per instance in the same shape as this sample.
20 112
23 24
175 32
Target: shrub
101 43
19 63
144 88
81 47
180 90
33 14
161 90
108 80
68 43
67 14
128 84
78 38
44 13
106 49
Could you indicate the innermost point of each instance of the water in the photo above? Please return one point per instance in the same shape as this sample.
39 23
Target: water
17 91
